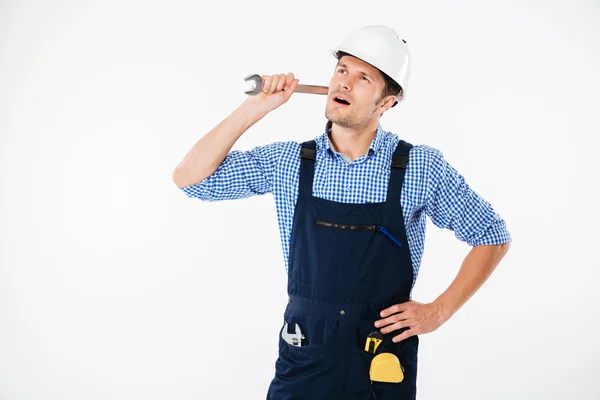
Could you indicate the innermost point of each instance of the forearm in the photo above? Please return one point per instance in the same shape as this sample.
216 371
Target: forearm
475 270
209 152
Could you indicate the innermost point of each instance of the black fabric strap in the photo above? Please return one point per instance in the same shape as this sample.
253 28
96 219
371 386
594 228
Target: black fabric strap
399 164
399 161
308 152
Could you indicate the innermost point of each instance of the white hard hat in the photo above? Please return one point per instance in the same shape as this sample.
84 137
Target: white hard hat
381 47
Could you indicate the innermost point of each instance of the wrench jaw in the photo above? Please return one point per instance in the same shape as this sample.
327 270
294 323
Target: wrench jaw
257 79
295 337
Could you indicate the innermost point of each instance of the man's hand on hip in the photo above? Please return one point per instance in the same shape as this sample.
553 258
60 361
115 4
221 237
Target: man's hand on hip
419 317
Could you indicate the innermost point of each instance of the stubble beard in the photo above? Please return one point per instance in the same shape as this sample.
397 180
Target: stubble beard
347 119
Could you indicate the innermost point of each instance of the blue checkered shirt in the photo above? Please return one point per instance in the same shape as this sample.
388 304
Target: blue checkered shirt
432 187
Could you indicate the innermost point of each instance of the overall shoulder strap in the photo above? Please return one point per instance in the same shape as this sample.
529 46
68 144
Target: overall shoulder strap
399 162
308 154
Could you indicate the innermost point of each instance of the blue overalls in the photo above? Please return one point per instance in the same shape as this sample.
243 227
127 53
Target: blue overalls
347 263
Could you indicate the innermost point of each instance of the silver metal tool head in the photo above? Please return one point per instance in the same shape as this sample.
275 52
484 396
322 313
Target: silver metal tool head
257 87
294 338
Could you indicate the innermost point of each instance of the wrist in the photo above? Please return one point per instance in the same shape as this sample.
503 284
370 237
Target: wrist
255 107
444 310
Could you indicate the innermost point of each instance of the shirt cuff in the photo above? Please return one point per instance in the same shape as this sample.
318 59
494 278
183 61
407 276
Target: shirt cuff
495 234
197 190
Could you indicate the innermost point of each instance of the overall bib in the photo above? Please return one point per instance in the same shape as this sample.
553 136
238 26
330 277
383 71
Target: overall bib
348 262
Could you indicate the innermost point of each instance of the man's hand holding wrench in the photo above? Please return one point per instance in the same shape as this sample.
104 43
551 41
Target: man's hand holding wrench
271 91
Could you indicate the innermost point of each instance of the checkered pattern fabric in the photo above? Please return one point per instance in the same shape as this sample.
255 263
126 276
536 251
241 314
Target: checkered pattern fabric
432 187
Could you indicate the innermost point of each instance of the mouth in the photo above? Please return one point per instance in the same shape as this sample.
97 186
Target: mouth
340 101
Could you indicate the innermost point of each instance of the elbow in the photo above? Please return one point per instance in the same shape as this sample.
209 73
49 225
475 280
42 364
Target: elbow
504 247
501 250
183 178
179 178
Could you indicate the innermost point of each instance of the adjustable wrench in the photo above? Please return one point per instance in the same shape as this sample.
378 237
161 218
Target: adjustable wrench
292 337
258 85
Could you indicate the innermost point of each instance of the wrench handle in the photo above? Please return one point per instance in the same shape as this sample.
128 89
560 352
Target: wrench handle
313 89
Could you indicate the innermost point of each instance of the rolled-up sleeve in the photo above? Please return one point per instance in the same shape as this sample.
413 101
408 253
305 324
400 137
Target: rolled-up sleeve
452 204
241 174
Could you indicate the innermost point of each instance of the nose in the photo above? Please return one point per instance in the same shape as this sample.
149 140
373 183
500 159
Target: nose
344 83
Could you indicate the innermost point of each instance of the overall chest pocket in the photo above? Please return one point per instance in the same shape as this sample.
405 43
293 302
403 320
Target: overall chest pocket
341 257
359 228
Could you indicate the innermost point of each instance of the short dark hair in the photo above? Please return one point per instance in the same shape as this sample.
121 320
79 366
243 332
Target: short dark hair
391 88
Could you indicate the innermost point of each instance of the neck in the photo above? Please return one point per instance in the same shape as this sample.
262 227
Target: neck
353 142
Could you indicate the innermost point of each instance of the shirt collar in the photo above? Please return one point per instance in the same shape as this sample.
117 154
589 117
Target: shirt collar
324 143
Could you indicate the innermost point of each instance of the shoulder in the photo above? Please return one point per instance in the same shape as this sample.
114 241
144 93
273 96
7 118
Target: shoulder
276 146
420 154
426 154
289 151
277 150
426 166
281 155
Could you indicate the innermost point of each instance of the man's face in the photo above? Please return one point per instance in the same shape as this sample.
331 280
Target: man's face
361 85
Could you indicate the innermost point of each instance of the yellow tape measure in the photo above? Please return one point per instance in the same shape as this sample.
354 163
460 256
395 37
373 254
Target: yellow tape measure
385 367
373 341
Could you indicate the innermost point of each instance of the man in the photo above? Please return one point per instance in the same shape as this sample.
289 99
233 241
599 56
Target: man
352 207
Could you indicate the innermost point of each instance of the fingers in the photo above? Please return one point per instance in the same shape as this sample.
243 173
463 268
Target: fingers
293 85
404 335
391 320
394 327
266 83
396 308
289 79
280 82
276 83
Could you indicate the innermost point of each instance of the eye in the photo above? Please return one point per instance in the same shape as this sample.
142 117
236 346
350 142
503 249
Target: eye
363 77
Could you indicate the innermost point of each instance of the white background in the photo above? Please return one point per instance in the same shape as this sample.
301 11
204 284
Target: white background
115 285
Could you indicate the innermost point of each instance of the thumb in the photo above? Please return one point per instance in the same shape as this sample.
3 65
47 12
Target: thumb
289 90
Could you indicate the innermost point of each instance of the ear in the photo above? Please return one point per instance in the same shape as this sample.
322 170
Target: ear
388 102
